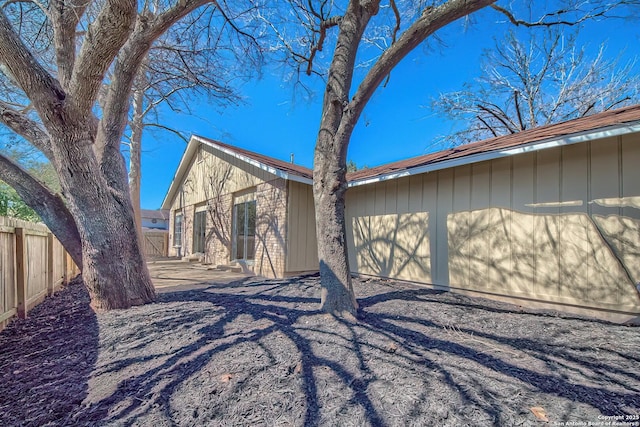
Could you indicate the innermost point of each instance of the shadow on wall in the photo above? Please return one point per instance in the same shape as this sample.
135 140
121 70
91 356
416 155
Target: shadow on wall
393 246
270 229
557 257
569 258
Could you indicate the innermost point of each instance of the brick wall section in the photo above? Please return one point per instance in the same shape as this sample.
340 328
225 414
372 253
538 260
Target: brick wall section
219 223
271 228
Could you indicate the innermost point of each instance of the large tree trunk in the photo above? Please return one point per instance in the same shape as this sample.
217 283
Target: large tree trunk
330 166
339 117
111 252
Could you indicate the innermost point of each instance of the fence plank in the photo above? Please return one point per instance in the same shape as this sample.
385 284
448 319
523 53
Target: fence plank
33 264
50 279
21 272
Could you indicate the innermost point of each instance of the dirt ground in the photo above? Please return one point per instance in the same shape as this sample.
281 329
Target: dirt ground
255 352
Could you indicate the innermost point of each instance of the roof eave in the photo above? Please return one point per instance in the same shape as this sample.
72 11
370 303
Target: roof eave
272 170
575 138
190 151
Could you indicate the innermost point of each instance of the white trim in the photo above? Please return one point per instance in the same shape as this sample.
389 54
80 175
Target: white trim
192 146
274 171
552 142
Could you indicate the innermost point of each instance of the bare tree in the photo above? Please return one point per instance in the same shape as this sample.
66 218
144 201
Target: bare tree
545 78
397 28
54 58
190 62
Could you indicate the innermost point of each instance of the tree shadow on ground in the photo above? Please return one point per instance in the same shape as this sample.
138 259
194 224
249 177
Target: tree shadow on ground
259 352
47 359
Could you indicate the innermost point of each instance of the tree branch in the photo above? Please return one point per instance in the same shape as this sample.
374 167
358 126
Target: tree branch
65 15
543 22
432 19
116 109
105 37
324 26
48 206
26 128
41 88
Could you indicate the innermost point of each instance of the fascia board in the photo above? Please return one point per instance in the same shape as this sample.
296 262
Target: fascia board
576 138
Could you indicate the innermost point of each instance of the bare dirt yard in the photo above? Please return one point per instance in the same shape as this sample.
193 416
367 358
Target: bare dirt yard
256 352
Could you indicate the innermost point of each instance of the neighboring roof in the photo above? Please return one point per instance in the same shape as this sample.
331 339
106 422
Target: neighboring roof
276 167
609 123
154 214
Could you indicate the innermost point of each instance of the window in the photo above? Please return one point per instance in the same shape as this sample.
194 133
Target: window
244 217
177 230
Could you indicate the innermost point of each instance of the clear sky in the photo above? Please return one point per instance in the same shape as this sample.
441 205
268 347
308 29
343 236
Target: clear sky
397 123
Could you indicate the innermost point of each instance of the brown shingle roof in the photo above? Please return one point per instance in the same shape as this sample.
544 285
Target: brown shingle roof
287 167
583 124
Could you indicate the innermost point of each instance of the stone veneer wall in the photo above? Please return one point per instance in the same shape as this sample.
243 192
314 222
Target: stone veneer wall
271 228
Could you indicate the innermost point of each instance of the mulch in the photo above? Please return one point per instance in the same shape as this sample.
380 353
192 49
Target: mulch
258 353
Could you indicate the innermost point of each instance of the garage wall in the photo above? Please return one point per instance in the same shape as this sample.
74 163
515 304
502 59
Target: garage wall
302 244
560 225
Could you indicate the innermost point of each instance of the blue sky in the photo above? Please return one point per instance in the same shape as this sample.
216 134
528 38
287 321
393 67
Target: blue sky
395 125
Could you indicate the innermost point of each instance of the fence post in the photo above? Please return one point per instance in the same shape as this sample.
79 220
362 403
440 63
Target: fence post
50 280
21 272
165 249
65 276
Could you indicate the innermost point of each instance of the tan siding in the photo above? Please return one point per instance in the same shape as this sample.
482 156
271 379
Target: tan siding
559 225
444 206
302 253
458 224
218 169
498 256
545 224
430 207
402 191
521 238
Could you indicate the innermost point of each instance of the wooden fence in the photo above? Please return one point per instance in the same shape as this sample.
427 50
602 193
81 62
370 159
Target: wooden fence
33 264
156 243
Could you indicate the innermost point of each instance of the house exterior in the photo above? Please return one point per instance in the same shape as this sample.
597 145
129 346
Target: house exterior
154 219
227 204
548 217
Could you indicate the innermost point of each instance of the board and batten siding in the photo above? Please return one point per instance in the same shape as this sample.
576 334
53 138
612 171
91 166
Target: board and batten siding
559 226
211 168
302 244
212 174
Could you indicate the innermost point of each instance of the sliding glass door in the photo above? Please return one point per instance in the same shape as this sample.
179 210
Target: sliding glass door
244 230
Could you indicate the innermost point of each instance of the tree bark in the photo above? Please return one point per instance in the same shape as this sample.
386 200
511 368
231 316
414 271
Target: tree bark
114 268
329 175
135 159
